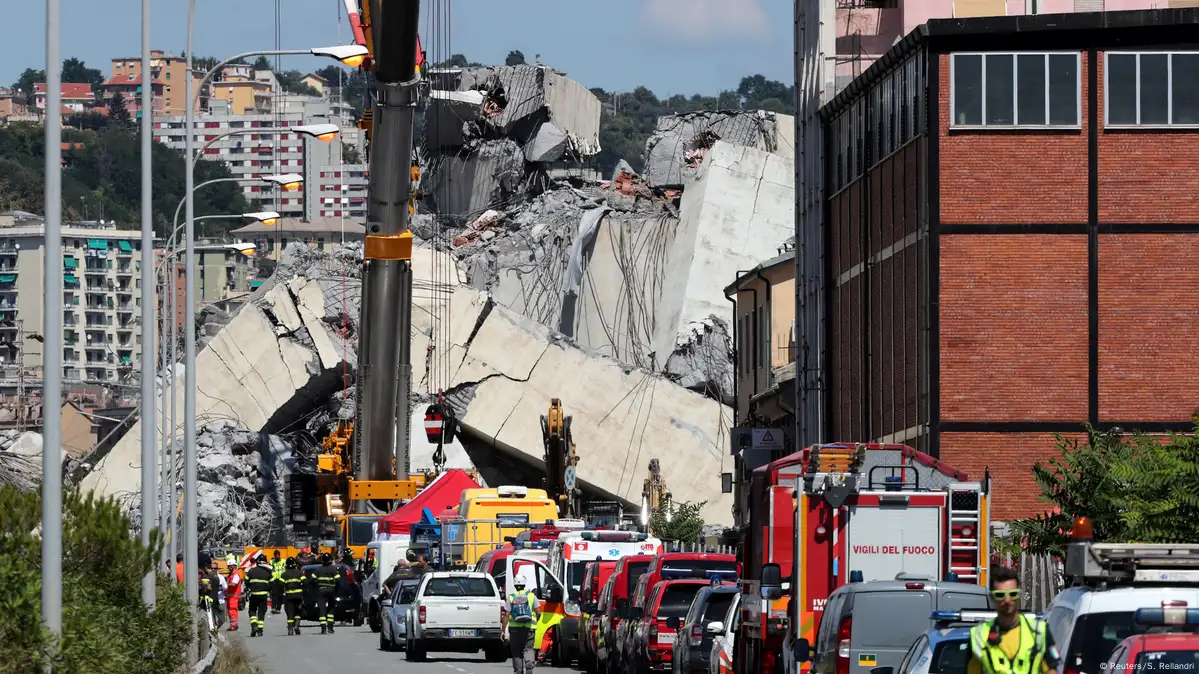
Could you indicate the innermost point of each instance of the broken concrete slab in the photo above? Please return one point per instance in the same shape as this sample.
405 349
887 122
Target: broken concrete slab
449 116
518 99
623 416
548 144
677 146
738 210
462 186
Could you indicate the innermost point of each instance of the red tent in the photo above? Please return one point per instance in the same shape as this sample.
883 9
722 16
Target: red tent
443 492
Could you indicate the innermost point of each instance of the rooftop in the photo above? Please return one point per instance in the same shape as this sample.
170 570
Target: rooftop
321 225
69 89
744 277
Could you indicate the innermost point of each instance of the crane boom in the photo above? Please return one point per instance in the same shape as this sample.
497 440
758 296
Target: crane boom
384 367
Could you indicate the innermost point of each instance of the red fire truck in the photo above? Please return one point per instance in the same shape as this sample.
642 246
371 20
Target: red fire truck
818 514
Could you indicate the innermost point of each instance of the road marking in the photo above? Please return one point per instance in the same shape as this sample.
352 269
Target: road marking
459 669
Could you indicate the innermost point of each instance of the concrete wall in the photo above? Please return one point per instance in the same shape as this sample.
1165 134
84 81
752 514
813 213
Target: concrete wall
574 109
737 212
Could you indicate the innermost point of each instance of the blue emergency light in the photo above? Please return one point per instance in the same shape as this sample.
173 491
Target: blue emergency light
713 575
856 577
951 577
961 616
1167 615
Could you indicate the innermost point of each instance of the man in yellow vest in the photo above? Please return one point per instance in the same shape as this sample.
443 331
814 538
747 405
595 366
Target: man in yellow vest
520 622
1011 643
277 569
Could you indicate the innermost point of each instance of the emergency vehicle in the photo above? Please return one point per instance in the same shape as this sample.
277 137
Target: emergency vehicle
876 510
568 558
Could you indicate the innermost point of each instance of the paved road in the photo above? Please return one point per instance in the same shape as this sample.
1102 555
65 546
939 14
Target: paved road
352 649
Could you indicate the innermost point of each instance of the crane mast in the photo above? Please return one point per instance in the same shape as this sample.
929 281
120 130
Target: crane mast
384 383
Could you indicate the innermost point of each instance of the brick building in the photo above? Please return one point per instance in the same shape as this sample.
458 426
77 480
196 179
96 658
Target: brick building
1013 211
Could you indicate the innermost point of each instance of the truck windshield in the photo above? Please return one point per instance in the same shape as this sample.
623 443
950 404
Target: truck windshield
459 587
361 530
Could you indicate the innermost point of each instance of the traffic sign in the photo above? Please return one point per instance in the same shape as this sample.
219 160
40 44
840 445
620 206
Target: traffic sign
570 477
761 439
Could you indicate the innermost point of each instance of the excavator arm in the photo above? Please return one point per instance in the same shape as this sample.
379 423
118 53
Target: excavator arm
560 461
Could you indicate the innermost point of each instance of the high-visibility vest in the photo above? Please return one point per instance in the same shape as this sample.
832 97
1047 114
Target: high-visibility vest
1028 659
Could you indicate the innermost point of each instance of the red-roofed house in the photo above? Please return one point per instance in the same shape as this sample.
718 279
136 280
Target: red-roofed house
130 87
75 96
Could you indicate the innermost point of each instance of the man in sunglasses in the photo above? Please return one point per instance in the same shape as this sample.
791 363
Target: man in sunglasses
1011 643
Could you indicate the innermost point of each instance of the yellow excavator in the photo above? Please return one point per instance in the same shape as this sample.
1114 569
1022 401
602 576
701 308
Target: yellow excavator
561 461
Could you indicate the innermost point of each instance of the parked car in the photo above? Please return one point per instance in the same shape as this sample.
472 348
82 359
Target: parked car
595 580
458 612
693 647
869 625
720 658
653 628
394 629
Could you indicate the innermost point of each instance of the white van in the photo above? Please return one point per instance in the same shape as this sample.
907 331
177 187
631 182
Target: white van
386 554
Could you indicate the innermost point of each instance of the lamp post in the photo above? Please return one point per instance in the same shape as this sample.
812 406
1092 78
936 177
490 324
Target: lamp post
149 367
322 132
351 55
52 330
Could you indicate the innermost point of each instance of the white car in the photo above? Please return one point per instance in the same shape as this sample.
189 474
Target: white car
394 615
456 612
721 659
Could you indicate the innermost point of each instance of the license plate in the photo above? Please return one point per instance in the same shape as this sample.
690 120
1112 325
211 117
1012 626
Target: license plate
460 634
666 638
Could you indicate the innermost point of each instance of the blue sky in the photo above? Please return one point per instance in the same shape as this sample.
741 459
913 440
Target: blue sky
671 46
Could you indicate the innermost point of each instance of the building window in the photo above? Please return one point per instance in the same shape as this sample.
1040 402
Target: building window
1015 89
1152 89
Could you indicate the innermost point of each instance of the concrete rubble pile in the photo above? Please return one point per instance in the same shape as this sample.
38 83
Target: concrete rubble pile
494 134
283 364
634 268
21 459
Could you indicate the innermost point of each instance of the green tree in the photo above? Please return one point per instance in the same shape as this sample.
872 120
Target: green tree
75 70
454 61
515 58
119 111
1134 488
680 522
110 629
261 63
28 78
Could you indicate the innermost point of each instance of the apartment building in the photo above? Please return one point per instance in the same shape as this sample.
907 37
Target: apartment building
101 295
171 71
341 192
243 92
260 145
319 233
129 87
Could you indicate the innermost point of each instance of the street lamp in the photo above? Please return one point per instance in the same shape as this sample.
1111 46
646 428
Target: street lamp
268 218
289 182
351 55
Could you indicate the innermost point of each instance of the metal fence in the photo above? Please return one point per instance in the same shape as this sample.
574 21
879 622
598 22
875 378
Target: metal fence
698 547
1040 579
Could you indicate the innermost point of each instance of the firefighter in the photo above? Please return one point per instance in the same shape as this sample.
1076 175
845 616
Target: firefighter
209 587
328 578
293 593
1010 638
233 594
258 581
520 624
277 568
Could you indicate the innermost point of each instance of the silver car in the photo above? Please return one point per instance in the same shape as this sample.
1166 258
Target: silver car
394 614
